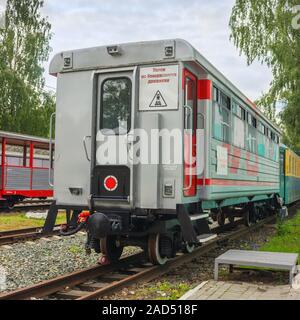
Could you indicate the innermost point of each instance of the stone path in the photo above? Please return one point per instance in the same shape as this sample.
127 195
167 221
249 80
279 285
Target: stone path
212 290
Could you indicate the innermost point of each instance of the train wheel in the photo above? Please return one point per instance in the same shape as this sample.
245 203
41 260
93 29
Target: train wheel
188 248
111 248
154 251
248 219
10 204
231 219
221 218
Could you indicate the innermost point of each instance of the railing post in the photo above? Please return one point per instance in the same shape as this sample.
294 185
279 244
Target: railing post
3 162
31 163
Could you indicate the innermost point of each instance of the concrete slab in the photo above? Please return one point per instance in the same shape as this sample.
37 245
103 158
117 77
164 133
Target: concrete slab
271 260
212 290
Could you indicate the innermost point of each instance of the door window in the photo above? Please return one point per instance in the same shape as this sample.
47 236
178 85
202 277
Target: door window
115 112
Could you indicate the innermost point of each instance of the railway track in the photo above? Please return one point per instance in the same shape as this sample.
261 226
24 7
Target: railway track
35 204
99 281
13 236
27 205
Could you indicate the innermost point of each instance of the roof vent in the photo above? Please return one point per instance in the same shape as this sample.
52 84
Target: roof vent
68 60
114 50
169 49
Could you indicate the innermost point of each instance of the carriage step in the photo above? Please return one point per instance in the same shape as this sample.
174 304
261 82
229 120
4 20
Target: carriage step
198 216
203 238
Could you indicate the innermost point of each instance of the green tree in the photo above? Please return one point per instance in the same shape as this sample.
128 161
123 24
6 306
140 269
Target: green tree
263 31
24 46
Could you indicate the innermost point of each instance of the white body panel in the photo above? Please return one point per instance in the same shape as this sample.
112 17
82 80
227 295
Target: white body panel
73 122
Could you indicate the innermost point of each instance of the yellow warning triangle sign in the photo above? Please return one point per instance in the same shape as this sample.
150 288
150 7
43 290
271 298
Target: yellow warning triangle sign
158 101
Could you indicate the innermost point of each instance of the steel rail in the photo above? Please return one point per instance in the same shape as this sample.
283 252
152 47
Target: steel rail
13 236
155 271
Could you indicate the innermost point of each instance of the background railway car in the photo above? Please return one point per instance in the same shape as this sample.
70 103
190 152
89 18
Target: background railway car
289 175
24 168
216 153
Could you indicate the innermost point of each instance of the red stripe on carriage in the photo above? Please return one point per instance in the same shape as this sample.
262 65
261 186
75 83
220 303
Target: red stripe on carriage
204 182
28 193
204 89
223 182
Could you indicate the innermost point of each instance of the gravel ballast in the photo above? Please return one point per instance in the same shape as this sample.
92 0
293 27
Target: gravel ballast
32 262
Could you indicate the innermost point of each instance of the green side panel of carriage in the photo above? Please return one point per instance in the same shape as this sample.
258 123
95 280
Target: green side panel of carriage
211 204
292 189
239 166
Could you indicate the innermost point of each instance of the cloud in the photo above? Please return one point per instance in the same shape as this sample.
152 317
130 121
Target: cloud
80 23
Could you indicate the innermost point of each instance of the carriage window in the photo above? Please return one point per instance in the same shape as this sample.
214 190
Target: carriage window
261 128
241 113
189 100
273 136
239 116
116 106
238 132
238 110
221 118
251 138
216 94
225 101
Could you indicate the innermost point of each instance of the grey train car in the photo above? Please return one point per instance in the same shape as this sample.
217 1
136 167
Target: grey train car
150 139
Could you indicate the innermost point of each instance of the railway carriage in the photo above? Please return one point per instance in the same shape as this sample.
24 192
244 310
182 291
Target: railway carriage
24 168
289 175
152 140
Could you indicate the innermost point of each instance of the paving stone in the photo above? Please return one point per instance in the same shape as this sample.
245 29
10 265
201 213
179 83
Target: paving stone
243 291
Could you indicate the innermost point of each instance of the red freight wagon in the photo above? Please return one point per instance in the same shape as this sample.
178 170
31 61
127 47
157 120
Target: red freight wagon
25 168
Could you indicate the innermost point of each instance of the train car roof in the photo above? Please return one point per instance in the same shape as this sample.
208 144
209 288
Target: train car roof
285 147
138 53
18 139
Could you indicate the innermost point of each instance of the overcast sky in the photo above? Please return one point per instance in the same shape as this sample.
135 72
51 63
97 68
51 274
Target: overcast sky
89 23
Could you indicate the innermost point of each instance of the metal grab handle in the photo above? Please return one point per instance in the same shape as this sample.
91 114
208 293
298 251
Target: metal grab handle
190 109
50 150
130 143
85 148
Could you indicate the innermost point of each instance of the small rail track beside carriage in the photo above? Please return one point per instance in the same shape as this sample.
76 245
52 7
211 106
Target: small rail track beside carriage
99 281
13 236
28 205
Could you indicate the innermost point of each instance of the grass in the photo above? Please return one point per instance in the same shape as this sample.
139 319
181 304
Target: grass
287 238
16 221
76 249
168 291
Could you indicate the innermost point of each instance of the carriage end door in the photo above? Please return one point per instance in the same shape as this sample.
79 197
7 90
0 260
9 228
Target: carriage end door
190 126
113 172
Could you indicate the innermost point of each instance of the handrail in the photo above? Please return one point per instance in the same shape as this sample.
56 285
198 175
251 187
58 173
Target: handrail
50 150
85 148
191 146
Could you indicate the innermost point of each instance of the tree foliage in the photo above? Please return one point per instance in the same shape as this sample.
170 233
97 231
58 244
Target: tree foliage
263 31
24 45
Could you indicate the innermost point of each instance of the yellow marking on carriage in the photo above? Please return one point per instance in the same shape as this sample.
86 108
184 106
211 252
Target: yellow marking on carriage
292 164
